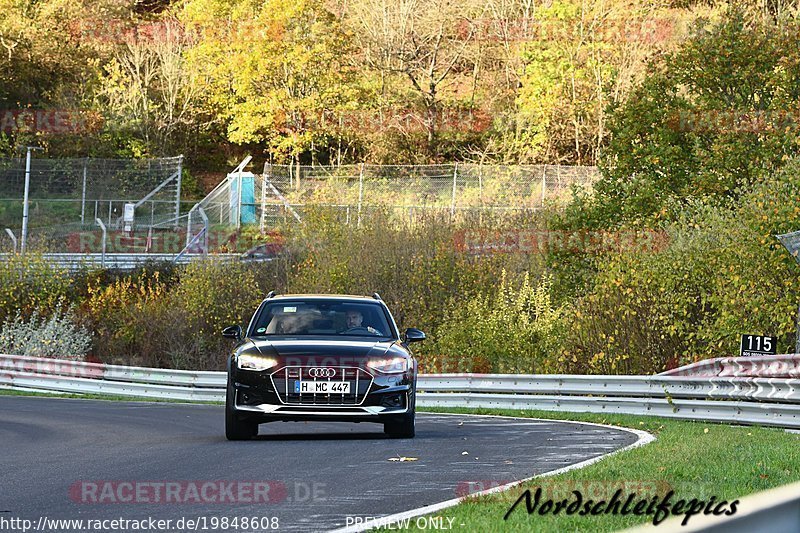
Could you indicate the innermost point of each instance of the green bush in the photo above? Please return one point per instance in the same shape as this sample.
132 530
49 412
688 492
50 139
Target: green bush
29 283
515 330
713 116
419 269
123 315
722 274
57 336
141 320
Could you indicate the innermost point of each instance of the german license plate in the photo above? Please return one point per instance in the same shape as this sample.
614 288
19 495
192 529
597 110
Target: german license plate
322 387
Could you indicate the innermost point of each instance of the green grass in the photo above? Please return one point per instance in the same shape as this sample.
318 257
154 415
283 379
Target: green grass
694 459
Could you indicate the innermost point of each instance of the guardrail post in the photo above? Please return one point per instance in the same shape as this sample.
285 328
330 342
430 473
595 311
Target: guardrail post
105 233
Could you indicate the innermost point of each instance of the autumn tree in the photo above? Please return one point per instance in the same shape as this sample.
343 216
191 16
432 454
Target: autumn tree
711 119
147 87
275 71
425 43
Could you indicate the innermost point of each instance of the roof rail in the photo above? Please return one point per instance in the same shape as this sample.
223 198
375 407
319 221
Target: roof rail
376 296
270 295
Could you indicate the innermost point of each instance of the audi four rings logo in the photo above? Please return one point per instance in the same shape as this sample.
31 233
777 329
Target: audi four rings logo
321 372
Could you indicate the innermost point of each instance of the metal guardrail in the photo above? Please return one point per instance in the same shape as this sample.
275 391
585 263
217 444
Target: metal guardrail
763 401
121 261
739 388
741 400
765 366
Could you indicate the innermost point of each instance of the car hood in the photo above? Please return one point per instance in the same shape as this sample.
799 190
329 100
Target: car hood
324 352
321 347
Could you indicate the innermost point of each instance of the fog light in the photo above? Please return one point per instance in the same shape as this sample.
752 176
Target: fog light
392 400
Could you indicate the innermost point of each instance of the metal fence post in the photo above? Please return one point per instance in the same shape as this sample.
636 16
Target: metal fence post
791 241
360 191
178 193
544 183
480 182
797 338
13 238
205 229
25 199
453 197
189 225
239 201
83 193
105 233
264 178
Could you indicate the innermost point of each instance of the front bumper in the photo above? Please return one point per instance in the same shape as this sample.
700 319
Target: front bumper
267 396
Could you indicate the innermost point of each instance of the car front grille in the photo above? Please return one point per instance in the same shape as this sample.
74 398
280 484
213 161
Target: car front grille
284 382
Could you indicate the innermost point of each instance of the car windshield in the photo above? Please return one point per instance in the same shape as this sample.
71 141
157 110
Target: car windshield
322 317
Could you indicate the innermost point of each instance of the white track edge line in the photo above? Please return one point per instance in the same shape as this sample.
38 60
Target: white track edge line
643 438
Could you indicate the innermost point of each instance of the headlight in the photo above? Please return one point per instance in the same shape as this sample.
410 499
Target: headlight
255 362
391 365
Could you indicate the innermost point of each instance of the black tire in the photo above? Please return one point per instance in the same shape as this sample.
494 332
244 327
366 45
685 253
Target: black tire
236 429
403 427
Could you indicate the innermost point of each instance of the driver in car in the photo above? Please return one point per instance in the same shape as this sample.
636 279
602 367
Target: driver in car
353 320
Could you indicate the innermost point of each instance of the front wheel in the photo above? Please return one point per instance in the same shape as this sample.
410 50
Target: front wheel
403 427
236 429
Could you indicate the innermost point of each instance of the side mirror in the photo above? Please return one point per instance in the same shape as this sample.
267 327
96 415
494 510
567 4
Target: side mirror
232 332
414 335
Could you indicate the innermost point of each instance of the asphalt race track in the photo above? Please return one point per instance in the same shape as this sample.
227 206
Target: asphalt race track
84 459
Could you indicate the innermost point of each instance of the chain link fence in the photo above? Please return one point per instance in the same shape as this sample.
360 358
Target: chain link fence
67 196
410 191
458 185
351 194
